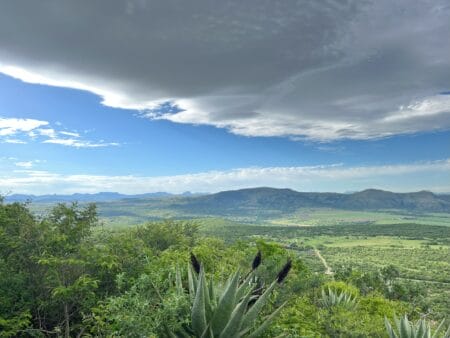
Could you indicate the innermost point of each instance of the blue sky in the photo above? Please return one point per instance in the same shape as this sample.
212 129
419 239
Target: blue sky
94 121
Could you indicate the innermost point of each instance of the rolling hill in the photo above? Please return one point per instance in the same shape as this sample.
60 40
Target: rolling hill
287 200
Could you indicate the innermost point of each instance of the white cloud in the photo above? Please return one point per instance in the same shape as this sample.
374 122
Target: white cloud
49 132
33 129
25 164
79 143
431 106
400 177
13 126
303 69
69 133
14 141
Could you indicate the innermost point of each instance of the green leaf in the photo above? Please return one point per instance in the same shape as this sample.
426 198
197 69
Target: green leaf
234 324
438 329
244 286
226 305
198 315
208 332
405 328
212 294
389 328
192 281
253 312
266 322
208 306
178 282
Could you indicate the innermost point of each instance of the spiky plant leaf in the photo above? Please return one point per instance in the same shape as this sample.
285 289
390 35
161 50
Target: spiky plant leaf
253 312
192 281
208 332
405 328
208 306
447 333
226 305
212 293
331 298
198 315
267 321
389 329
178 282
244 286
233 314
439 328
234 324
408 329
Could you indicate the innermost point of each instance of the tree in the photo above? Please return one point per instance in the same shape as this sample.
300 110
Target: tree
70 287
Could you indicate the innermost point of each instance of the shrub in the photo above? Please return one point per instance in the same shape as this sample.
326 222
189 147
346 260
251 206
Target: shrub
419 329
232 310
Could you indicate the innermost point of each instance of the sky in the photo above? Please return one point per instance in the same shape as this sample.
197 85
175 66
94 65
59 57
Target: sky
166 95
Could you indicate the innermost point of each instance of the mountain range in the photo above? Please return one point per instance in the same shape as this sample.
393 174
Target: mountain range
287 200
248 201
97 197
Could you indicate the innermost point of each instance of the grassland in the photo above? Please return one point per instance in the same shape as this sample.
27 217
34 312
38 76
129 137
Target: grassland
303 217
134 211
325 216
420 252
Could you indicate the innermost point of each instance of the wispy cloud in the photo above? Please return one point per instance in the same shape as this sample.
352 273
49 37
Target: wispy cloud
49 132
80 143
13 141
26 164
41 131
338 177
68 133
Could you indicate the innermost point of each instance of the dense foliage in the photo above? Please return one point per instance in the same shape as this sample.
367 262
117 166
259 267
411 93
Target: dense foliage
62 274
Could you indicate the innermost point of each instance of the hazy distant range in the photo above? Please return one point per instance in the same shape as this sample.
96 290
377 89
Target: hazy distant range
248 200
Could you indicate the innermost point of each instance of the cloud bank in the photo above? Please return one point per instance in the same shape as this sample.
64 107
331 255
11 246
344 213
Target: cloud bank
320 70
337 178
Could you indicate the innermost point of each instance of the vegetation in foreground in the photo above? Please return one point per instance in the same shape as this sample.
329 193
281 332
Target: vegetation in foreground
62 278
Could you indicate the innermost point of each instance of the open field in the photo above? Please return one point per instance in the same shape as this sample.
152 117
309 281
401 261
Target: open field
325 216
421 253
426 266
135 211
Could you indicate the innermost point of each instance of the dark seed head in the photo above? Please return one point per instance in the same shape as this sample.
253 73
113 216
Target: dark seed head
251 302
284 271
195 263
256 260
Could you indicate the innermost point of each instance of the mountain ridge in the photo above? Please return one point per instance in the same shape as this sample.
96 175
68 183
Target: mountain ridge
266 198
94 197
289 200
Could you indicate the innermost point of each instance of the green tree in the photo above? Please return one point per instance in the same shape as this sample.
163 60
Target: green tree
70 287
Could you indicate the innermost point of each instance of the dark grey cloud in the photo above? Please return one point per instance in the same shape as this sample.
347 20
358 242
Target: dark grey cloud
322 70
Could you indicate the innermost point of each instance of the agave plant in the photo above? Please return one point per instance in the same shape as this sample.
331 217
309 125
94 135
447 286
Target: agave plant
420 329
230 311
330 299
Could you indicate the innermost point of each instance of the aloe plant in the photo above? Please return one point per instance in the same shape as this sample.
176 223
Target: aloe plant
330 299
420 329
233 310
